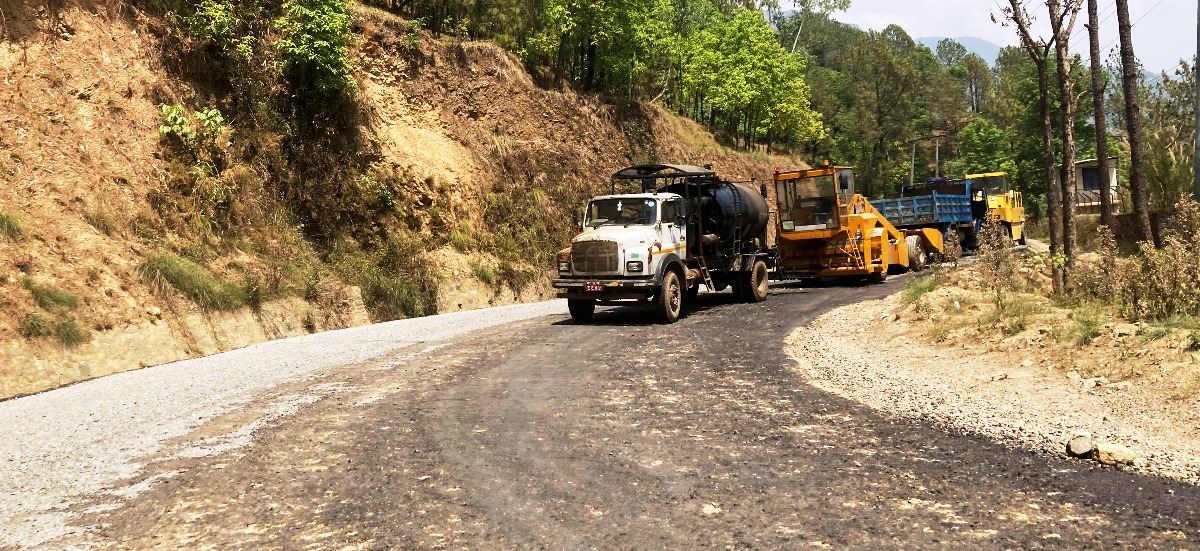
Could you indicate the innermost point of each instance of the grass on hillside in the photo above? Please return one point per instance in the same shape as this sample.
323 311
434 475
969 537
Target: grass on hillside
68 332
194 281
49 298
11 225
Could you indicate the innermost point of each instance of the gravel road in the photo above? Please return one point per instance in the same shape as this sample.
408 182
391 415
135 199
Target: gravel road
546 434
62 445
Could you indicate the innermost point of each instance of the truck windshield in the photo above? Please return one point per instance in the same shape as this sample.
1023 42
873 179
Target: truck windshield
807 204
624 211
992 184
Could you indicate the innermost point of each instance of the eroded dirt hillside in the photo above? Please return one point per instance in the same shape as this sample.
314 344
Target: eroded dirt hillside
470 169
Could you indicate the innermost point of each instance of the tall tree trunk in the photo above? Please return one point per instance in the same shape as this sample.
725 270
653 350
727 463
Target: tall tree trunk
1106 216
1133 123
1039 52
1053 185
1063 21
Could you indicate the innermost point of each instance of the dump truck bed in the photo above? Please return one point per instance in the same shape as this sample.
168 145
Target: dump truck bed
924 210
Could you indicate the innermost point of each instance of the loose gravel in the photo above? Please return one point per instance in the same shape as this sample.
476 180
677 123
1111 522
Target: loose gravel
860 352
66 445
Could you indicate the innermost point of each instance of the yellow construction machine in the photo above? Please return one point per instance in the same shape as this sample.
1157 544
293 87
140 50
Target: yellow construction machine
1004 206
825 229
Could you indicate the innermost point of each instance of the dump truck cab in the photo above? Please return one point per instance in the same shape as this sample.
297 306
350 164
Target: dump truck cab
992 199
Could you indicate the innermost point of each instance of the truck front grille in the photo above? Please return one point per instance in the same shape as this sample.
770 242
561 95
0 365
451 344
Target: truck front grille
594 257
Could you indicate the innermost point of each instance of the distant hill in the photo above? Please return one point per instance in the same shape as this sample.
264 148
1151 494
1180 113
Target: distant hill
978 46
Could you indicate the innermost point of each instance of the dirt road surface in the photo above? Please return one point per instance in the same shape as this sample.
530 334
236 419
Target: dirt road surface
620 434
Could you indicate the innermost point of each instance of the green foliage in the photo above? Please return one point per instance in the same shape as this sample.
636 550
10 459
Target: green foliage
316 34
1084 325
917 287
50 298
982 147
463 236
36 325
70 334
67 332
997 263
483 273
12 225
176 124
214 20
165 271
395 283
102 218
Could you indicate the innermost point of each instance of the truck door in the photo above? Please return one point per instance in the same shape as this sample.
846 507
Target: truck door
674 226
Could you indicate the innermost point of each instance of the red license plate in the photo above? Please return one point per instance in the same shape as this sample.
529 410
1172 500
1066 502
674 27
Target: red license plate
593 287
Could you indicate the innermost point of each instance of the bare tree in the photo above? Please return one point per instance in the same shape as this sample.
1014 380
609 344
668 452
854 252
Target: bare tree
1133 124
1039 52
1098 87
1062 21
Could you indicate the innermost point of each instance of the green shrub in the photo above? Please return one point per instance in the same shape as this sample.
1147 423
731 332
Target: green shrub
36 325
483 273
395 284
216 21
917 287
315 36
70 334
194 281
102 218
11 225
48 297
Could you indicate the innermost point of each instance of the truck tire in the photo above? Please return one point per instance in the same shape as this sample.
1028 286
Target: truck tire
756 283
670 298
918 258
1006 231
878 277
1022 241
581 309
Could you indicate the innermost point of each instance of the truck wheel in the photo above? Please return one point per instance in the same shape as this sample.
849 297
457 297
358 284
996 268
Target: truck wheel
581 309
917 256
878 277
1021 241
756 283
670 298
1006 231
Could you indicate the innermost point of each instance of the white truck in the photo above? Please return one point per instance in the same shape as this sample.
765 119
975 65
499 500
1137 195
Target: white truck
655 248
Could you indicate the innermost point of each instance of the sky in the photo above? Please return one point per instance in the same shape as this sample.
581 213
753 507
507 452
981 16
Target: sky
1164 31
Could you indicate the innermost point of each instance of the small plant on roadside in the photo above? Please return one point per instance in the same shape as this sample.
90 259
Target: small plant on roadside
1193 340
11 226
951 249
166 271
36 325
941 334
176 124
917 287
49 298
70 334
997 263
483 273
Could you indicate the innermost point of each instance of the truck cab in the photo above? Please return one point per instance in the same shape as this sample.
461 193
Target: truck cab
625 239
654 248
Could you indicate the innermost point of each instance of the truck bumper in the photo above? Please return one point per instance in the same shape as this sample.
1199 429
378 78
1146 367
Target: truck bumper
606 289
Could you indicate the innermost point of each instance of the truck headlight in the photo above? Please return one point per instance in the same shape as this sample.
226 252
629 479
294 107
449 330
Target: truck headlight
633 266
564 266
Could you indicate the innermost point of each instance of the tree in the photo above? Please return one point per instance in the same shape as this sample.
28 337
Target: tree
1133 124
950 52
1039 53
1062 21
978 79
1106 216
806 8
981 148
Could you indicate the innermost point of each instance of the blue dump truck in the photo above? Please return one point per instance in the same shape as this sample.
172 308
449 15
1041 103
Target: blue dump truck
961 205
